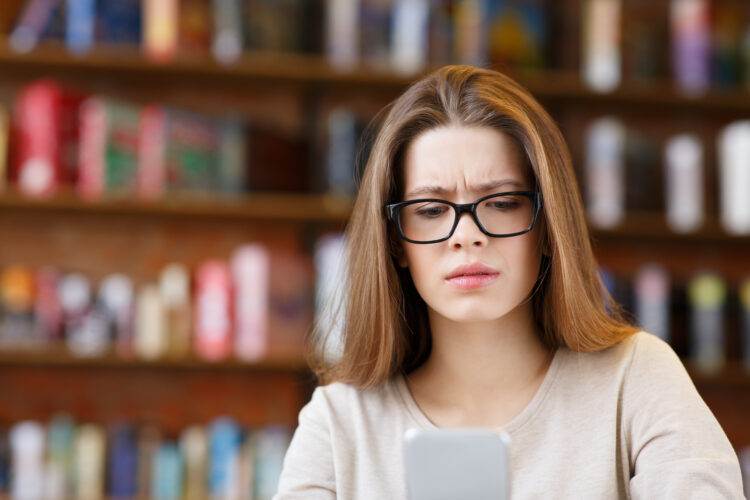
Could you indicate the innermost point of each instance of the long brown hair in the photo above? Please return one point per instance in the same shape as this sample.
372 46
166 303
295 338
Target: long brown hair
385 326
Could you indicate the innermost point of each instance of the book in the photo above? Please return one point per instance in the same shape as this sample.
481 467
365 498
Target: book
26 440
17 305
194 446
174 287
441 33
122 457
31 24
280 25
733 150
707 293
160 29
116 300
195 28
604 172
251 270
232 156
150 329
192 146
343 138
152 153
375 32
167 473
277 162
330 302
58 477
744 320
342 33
80 30
643 177
691 45
272 443
37 117
516 34
74 292
652 295
683 160
470 25
643 30
601 60
90 450
213 311
120 23
227 37
224 449
4 135
409 36
48 313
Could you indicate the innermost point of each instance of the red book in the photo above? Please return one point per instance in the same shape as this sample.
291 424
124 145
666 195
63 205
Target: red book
213 311
152 153
37 123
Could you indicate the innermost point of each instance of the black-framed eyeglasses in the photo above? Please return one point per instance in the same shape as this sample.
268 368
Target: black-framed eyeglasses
432 220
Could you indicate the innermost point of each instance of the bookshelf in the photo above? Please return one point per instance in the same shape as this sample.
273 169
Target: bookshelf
290 93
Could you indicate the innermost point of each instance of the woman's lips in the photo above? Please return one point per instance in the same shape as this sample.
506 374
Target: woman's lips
470 282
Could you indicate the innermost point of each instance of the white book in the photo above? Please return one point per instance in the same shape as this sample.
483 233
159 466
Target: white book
342 33
601 58
150 324
734 177
251 273
90 446
605 172
26 441
227 41
330 285
409 36
683 158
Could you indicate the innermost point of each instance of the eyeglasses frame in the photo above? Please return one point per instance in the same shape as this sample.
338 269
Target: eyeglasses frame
393 214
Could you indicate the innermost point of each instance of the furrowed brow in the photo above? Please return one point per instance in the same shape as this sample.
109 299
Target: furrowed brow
487 186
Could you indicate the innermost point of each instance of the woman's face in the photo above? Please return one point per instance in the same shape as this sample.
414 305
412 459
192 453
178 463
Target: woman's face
461 164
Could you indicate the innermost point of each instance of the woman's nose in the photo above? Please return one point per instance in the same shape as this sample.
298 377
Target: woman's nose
467 233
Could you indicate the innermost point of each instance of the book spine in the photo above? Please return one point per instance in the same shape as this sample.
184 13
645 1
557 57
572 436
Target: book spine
47 309
343 33
601 58
150 331
161 20
227 41
174 285
651 287
470 39
27 451
81 20
605 172
167 473
224 448
744 311
251 268
31 24
90 459
116 297
122 462
58 480
409 33
691 44
38 125
152 150
232 157
734 175
707 293
4 135
194 447
330 269
342 147
683 157
94 125
213 303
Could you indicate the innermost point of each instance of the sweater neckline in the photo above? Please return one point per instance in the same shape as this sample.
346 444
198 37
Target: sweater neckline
421 420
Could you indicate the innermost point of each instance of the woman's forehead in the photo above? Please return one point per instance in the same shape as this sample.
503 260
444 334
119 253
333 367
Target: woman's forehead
476 158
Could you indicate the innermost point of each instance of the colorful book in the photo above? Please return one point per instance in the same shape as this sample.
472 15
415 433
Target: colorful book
37 123
683 159
90 453
4 135
409 36
375 32
707 293
59 479
192 145
605 172
160 29
17 304
27 448
601 52
150 328
74 293
122 466
116 300
213 311
272 443
48 314
470 25
148 439
690 23
120 23
227 39
174 287
152 153
167 473
251 270
80 30
516 33
652 305
194 448
343 33
744 320
224 449
441 33
32 23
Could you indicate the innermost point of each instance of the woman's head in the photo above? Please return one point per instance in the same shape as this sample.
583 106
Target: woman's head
385 318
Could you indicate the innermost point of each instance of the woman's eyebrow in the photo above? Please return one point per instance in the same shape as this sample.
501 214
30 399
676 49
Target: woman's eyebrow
486 186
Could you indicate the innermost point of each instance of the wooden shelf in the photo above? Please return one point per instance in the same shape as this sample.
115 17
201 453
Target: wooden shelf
653 227
733 374
265 206
60 357
551 86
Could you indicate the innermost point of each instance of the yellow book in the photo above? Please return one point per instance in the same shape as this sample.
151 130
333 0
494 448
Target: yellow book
160 33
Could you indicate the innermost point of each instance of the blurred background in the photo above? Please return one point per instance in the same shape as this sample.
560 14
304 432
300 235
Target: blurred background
175 176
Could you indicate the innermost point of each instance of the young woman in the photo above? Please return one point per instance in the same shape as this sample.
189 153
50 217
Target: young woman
473 300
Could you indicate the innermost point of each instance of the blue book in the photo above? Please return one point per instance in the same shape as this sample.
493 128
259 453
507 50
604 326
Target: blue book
81 20
4 462
32 24
120 22
167 473
122 462
272 443
225 439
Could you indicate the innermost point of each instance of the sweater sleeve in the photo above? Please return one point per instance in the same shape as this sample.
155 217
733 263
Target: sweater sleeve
677 449
308 465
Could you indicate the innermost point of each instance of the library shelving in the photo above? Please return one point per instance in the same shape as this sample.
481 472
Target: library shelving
290 93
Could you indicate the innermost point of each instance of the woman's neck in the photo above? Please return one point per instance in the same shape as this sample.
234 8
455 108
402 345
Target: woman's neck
480 374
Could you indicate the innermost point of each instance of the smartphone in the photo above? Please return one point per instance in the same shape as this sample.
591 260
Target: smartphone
447 464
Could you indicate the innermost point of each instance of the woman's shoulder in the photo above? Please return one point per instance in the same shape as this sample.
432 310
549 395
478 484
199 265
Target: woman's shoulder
348 399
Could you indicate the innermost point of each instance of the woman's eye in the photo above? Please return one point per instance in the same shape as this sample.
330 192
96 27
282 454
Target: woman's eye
431 211
504 205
